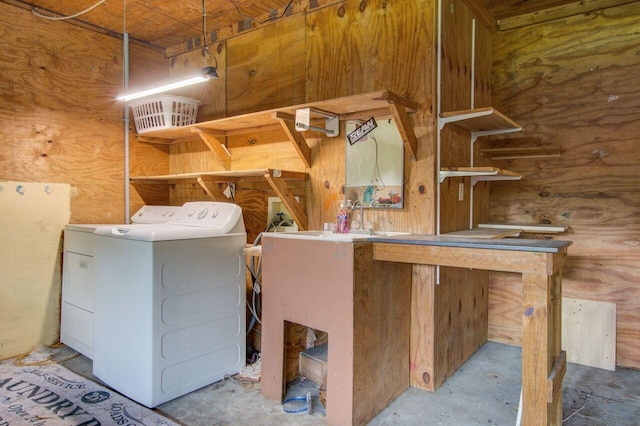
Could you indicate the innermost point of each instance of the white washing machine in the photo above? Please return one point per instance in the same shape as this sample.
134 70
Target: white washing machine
170 303
78 281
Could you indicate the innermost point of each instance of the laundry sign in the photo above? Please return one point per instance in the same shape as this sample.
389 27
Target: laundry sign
362 130
51 395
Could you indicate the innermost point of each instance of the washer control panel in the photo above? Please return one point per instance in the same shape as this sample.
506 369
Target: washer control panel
155 214
207 213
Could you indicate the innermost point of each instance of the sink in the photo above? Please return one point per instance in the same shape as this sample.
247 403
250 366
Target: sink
332 236
320 235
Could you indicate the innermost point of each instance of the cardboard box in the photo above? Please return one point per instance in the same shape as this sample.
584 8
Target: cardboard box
313 363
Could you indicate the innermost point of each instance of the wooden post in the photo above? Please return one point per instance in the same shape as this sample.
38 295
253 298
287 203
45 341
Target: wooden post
541 304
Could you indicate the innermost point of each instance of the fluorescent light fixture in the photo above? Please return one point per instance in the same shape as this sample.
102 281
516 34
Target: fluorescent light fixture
205 74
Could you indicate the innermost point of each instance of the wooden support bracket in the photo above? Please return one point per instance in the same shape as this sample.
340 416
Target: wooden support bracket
212 189
299 142
406 129
554 382
281 189
211 138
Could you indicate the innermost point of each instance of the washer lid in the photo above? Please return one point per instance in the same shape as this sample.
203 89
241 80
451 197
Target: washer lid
194 220
161 232
83 227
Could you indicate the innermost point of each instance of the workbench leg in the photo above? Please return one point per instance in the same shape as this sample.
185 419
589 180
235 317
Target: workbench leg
541 341
554 385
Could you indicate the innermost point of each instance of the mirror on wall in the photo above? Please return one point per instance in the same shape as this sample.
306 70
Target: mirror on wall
374 164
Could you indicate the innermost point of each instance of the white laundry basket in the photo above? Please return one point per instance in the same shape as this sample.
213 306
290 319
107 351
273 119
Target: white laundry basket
163 112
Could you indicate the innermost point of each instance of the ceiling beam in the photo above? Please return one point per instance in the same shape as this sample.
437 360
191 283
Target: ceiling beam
558 12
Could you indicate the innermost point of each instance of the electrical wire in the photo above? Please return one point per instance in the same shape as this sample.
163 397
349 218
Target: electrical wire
20 360
254 265
578 410
61 18
205 47
377 176
205 43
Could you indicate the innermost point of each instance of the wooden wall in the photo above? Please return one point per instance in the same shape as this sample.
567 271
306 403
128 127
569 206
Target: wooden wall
58 120
573 83
60 125
461 297
349 48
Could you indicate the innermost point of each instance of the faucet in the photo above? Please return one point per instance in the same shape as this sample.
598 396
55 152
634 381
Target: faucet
361 229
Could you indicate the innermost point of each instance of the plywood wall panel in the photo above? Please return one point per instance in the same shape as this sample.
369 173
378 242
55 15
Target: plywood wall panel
351 48
358 47
260 70
190 157
328 57
572 83
456 58
211 94
265 67
461 307
482 98
58 119
455 94
460 315
627 343
505 311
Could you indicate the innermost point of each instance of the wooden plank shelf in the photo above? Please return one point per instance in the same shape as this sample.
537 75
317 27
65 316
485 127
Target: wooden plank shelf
276 178
480 121
478 174
522 152
377 104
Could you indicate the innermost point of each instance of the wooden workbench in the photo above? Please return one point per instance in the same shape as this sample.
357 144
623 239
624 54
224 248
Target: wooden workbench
540 263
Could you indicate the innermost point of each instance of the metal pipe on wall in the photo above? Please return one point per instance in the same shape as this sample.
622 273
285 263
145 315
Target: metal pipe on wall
125 73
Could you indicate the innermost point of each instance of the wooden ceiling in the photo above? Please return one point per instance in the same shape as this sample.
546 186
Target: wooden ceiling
176 26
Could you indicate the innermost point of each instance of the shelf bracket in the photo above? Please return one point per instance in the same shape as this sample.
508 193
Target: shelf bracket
484 178
281 189
406 130
476 135
331 125
211 139
299 142
466 115
212 189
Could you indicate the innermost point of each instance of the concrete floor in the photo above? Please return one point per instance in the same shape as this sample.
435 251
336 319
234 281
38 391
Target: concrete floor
484 391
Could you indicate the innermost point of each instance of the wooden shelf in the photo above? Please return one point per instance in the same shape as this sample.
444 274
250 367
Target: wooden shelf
376 104
480 121
478 174
526 227
277 179
522 152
